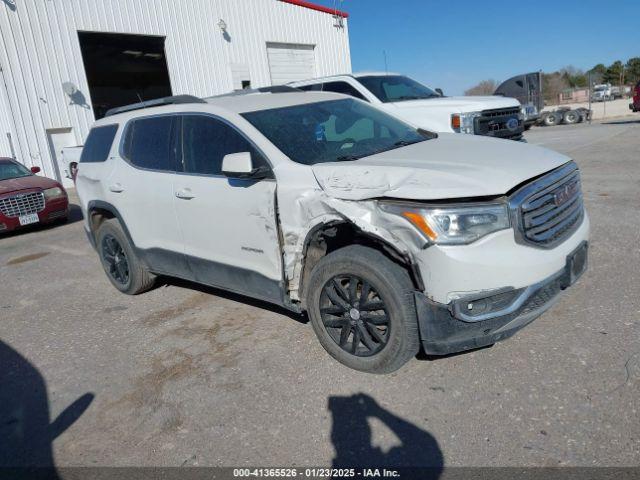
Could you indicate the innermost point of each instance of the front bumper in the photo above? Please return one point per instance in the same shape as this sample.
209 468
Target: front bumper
446 329
56 209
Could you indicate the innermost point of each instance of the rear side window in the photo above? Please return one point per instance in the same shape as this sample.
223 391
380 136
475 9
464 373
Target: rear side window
344 88
98 144
205 142
147 143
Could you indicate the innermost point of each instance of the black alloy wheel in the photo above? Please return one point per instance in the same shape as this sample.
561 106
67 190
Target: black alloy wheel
354 315
116 259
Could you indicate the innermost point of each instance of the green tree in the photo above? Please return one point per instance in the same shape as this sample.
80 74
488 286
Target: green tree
615 73
633 70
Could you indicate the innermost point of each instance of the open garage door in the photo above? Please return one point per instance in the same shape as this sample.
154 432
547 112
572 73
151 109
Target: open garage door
123 69
290 62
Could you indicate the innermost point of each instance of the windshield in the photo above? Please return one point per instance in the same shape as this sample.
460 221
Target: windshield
332 131
396 88
12 170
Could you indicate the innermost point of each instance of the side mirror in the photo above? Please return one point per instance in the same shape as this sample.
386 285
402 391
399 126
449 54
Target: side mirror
35 169
238 165
440 92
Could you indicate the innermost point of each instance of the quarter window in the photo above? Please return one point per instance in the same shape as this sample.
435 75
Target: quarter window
147 143
98 144
205 142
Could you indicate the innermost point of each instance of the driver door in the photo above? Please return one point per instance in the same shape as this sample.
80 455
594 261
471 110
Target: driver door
228 225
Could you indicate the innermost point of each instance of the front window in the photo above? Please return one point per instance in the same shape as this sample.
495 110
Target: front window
332 131
9 170
396 88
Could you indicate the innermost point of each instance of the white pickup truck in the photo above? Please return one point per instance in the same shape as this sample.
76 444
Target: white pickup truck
426 108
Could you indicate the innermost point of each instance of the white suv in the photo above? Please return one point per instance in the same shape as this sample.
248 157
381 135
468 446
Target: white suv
422 107
387 236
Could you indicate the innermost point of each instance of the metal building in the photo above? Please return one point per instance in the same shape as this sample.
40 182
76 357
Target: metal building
65 62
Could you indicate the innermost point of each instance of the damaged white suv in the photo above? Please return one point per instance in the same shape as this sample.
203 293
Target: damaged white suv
387 236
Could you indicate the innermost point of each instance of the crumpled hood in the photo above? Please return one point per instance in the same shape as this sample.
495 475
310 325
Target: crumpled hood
26 183
451 166
461 104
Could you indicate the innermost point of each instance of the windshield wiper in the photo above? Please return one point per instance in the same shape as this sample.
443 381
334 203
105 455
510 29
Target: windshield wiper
345 158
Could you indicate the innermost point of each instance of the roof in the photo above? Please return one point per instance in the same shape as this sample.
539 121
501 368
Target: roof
232 103
312 81
319 8
266 101
373 73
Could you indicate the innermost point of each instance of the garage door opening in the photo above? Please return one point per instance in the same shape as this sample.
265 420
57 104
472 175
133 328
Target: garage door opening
289 62
123 69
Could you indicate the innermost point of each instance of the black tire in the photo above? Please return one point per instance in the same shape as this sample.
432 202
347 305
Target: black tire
552 119
571 117
379 347
119 261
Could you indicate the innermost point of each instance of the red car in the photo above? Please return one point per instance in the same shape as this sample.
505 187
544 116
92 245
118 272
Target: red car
26 198
635 106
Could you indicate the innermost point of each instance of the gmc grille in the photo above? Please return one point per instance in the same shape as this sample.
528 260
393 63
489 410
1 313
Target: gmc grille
22 204
494 122
551 208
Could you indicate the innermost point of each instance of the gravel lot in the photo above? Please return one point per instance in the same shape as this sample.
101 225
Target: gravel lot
186 375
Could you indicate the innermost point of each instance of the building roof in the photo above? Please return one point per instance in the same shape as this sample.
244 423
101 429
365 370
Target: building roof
319 8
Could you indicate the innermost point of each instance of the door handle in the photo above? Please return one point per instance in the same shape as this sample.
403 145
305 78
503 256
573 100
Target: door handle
116 188
185 194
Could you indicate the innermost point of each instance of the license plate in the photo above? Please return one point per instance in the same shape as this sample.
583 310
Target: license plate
577 263
28 219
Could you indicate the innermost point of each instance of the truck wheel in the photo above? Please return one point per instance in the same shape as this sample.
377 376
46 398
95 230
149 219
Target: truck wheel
123 268
552 119
362 309
571 117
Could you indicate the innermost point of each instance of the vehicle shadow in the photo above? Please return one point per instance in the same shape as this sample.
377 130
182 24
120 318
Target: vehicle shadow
622 122
351 438
26 432
236 297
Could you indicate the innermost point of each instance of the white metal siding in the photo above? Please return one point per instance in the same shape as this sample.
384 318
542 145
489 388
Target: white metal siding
289 62
39 50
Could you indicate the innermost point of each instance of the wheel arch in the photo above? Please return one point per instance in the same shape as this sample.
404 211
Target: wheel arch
327 237
98 211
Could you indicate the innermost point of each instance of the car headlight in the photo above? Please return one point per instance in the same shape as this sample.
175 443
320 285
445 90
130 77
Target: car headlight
455 225
463 122
55 192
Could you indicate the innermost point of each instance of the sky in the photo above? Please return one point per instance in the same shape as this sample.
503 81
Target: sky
455 44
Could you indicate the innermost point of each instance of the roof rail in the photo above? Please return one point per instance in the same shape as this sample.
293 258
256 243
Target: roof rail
176 99
249 91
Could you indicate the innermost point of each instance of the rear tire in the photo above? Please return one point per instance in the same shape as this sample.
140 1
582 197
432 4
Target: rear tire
124 269
552 119
362 309
571 117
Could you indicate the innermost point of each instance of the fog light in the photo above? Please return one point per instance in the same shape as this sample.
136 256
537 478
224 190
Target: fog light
483 308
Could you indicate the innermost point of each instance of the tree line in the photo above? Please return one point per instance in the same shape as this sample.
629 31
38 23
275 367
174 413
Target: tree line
618 73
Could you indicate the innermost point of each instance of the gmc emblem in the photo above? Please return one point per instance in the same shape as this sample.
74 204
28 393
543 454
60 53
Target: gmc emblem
565 193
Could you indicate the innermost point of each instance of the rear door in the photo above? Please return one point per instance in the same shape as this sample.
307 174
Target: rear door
141 188
228 225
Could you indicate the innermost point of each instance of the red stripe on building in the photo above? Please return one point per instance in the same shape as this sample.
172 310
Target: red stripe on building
319 8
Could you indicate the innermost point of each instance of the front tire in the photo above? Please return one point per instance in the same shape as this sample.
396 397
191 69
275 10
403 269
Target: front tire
362 309
124 269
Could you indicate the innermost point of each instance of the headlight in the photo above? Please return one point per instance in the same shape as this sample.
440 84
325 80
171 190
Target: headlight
463 122
55 192
454 225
